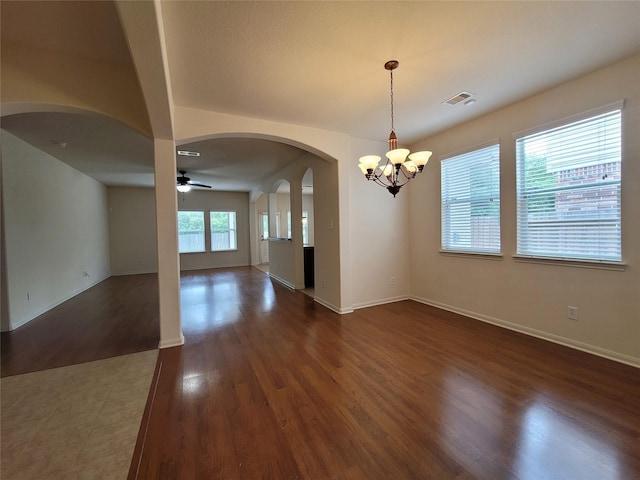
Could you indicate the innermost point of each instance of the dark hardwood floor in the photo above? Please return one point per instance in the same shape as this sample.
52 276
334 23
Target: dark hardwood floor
116 317
270 385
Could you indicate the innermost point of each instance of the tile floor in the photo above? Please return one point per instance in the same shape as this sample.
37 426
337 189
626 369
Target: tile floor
76 422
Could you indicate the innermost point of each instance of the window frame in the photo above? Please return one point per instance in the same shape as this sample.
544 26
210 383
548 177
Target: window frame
447 246
564 257
264 227
204 228
233 237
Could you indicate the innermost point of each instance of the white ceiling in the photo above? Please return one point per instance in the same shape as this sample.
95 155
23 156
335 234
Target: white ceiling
318 64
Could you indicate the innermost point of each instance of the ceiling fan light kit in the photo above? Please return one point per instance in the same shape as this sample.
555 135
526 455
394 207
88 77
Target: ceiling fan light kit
397 171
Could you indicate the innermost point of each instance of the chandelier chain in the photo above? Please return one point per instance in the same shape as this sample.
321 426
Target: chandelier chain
391 73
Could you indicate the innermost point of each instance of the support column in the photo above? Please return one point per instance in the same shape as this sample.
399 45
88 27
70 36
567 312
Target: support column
295 204
167 237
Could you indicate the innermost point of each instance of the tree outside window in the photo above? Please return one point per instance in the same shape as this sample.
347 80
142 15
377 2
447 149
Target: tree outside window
569 189
190 232
223 231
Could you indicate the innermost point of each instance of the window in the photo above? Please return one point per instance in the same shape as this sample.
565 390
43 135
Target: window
223 231
568 189
305 228
190 232
288 223
471 201
265 225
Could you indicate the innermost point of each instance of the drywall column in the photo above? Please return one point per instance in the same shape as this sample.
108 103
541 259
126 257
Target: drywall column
295 202
167 230
5 324
254 243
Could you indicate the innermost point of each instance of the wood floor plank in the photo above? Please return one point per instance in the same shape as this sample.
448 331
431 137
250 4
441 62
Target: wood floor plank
116 317
292 390
270 384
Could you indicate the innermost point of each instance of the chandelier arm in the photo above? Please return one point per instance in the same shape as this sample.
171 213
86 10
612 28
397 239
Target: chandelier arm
409 176
381 179
376 178
399 184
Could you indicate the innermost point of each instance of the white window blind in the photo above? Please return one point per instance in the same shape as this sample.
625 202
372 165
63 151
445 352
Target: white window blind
470 184
568 190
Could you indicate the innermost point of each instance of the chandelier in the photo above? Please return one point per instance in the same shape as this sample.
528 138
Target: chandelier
397 171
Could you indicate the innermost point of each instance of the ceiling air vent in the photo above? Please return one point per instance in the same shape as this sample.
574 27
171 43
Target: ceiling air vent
460 97
187 153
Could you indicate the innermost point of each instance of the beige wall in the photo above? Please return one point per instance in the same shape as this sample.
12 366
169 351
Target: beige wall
32 76
56 231
283 207
282 263
533 297
225 202
132 230
378 228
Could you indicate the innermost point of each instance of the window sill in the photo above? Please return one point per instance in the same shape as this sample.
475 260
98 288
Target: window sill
480 255
568 262
225 250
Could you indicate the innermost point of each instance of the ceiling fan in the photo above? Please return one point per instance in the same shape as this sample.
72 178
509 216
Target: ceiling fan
185 183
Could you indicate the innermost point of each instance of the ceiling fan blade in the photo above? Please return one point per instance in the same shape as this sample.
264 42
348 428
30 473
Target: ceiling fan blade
194 184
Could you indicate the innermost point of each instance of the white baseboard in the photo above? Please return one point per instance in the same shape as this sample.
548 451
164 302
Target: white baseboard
332 307
282 281
13 326
567 342
172 342
399 298
322 302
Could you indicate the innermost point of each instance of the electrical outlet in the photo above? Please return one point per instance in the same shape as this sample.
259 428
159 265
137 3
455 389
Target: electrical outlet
572 313
392 281
28 296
